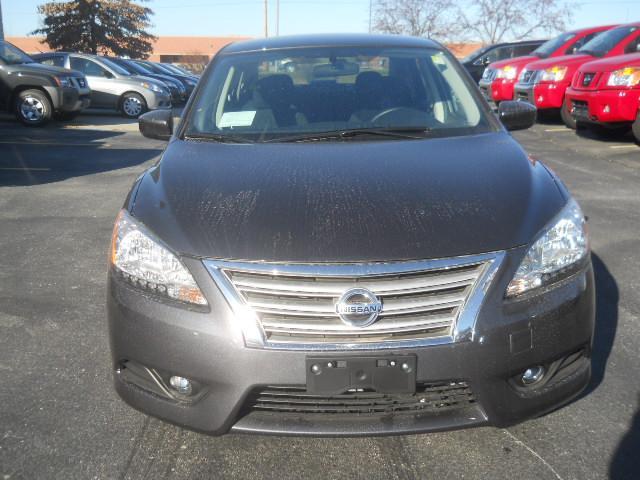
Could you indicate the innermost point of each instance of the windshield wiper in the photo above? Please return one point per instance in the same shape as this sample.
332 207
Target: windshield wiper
215 137
412 133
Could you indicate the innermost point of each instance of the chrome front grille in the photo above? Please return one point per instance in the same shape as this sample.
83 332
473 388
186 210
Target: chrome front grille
295 305
528 77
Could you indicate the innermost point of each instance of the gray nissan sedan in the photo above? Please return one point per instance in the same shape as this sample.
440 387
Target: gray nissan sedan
341 238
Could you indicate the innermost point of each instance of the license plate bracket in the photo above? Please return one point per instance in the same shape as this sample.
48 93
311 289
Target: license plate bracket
329 375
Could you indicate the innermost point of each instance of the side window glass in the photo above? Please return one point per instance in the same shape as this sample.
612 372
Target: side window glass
54 61
504 53
574 48
633 46
522 50
89 68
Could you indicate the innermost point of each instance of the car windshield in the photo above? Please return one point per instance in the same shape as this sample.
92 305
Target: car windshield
115 67
547 48
293 94
606 41
175 69
11 55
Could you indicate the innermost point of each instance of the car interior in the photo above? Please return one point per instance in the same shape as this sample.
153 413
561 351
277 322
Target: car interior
332 93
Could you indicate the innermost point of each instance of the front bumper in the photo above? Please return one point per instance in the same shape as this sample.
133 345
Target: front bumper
498 90
542 95
604 106
157 101
69 99
208 347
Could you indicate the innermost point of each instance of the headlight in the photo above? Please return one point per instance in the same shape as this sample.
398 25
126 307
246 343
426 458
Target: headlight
626 77
554 74
508 72
561 245
144 262
152 86
64 81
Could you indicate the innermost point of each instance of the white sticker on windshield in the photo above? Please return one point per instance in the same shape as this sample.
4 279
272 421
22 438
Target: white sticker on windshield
237 119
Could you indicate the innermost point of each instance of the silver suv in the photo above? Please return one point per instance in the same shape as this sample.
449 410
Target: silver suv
112 87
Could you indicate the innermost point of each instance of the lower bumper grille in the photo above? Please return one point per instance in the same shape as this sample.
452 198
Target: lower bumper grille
429 398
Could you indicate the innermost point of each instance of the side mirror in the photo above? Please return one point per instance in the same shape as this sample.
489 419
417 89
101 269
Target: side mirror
107 74
156 124
517 115
486 61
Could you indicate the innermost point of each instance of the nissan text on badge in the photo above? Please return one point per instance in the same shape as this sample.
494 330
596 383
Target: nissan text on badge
342 239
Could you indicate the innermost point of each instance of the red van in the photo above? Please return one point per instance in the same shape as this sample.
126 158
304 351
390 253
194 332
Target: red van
607 92
500 77
544 82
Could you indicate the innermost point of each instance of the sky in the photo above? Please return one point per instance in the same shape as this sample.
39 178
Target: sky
245 17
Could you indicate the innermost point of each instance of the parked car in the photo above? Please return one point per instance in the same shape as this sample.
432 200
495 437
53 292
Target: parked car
177 89
112 87
179 70
544 83
353 252
476 62
34 92
499 78
188 81
607 93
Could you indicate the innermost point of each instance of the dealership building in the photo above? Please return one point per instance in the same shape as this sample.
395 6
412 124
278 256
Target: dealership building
193 52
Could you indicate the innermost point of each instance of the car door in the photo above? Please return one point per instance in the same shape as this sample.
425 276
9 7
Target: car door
101 81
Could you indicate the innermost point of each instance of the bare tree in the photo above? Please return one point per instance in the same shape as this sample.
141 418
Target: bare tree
436 19
492 21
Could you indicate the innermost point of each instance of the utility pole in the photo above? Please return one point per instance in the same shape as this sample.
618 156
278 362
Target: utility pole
277 18
370 9
1 30
266 18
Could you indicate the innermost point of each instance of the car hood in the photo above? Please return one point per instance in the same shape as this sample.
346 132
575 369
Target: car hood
518 62
46 69
612 63
347 201
564 60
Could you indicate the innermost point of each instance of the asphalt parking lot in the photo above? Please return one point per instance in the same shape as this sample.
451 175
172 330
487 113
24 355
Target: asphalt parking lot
60 190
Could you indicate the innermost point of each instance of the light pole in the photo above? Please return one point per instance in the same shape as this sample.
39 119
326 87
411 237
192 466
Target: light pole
277 18
370 9
1 30
266 18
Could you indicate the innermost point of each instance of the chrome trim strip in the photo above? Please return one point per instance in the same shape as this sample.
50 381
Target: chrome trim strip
254 335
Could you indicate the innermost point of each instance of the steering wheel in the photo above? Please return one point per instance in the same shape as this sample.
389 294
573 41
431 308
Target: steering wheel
401 112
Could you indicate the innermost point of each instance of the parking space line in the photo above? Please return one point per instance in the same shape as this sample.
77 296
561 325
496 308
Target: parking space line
564 129
55 144
623 146
39 169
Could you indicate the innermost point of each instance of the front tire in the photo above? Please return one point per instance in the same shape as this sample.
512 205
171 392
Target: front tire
33 108
133 105
635 128
565 113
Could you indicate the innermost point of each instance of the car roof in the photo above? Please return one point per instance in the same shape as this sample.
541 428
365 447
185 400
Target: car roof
329 40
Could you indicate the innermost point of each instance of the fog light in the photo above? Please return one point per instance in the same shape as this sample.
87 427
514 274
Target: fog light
181 385
533 375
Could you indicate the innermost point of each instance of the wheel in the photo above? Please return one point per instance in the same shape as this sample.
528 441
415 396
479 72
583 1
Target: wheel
565 113
32 108
132 105
635 128
66 116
